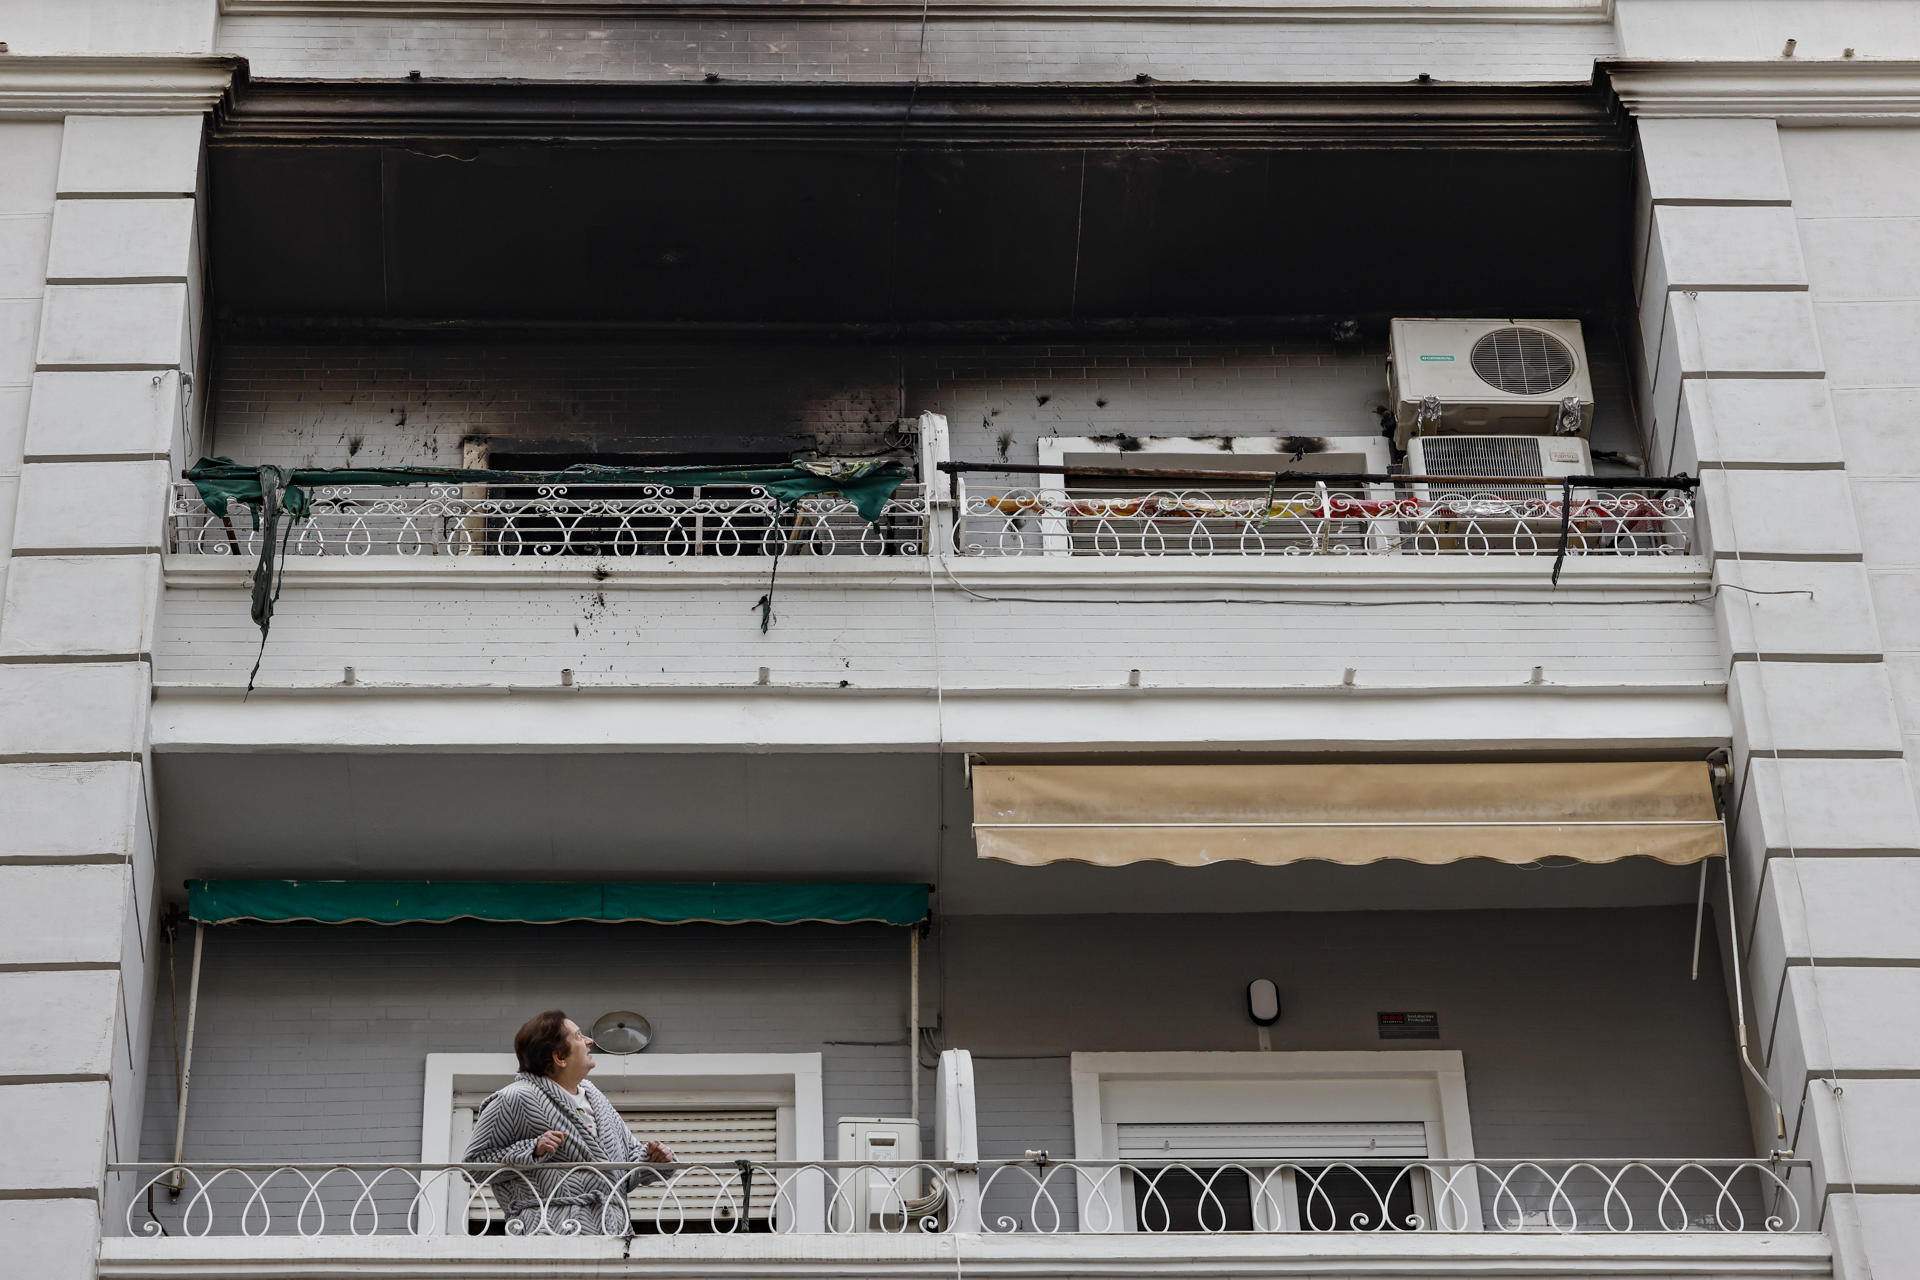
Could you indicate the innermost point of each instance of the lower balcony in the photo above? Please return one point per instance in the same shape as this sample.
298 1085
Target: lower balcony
1026 1217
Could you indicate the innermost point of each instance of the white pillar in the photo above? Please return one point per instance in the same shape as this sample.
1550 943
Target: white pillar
92 389
1737 384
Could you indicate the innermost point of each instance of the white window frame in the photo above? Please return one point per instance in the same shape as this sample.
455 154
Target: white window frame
1110 1089
790 1082
1054 451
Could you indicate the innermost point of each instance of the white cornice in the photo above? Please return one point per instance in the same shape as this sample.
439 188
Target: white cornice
1805 1255
1526 577
97 84
586 718
1266 10
1791 90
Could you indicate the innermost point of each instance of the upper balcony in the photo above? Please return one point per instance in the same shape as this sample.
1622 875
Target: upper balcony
1130 341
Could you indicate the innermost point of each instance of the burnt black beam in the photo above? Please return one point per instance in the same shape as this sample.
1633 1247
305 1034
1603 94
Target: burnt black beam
1585 117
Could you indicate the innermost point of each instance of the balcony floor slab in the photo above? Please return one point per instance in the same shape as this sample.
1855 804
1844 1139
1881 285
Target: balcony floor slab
884 1257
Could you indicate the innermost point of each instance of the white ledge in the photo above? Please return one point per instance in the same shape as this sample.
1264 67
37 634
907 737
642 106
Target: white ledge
1030 1257
587 718
1267 10
1791 90
1678 575
101 84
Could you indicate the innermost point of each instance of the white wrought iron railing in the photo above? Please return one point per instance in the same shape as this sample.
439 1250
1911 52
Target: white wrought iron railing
1411 516
1034 1194
1406 516
305 1199
1560 1196
559 520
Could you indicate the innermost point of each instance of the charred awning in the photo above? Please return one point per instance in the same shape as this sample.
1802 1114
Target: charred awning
1196 815
548 902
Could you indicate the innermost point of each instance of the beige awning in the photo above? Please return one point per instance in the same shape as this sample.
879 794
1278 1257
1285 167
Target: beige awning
1272 814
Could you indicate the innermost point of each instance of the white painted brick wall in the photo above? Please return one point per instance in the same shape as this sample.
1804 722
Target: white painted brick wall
399 404
395 404
877 638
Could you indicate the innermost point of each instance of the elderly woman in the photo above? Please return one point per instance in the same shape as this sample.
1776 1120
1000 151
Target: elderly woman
550 1114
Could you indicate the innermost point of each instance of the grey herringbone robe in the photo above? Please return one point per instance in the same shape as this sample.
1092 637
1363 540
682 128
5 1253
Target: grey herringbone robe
556 1201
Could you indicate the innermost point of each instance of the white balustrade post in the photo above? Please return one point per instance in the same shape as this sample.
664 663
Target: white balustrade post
935 448
956 1136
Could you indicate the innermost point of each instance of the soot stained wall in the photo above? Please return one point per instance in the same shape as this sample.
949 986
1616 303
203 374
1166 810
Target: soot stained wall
330 405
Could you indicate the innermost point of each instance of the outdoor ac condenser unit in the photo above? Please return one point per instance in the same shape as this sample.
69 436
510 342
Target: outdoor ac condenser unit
1488 377
880 1199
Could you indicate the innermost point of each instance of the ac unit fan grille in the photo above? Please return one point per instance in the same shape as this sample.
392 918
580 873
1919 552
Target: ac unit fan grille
1523 362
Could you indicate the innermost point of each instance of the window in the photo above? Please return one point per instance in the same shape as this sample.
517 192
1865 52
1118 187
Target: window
702 1201
1253 1175
709 1107
1270 1141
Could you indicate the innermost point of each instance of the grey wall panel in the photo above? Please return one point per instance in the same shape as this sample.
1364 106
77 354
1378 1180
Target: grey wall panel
1580 1030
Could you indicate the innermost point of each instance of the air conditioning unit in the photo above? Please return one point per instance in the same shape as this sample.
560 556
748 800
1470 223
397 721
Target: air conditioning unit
1480 518
1488 377
873 1199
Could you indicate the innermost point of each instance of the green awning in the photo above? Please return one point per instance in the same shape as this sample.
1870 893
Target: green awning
549 902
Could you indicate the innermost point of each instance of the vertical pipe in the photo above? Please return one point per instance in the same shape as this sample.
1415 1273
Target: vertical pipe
913 1020
1699 917
186 1062
1740 1006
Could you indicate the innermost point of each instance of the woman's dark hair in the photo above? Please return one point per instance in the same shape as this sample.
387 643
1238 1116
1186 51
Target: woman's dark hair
543 1038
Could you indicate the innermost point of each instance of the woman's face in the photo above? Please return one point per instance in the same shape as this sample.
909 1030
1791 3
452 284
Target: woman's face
578 1059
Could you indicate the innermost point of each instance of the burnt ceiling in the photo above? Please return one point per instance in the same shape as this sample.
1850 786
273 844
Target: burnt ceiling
454 208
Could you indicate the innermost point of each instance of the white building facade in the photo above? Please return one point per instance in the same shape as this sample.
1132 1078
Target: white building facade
945 860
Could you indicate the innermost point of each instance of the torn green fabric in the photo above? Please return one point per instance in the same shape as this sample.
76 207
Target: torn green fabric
549 902
272 494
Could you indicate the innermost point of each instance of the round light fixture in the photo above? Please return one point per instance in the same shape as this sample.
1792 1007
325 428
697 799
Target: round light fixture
622 1032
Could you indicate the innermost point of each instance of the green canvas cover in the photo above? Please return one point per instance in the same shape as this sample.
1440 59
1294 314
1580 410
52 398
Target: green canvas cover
553 902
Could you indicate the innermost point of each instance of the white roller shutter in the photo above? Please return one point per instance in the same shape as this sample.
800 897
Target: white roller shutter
716 1137
1279 1143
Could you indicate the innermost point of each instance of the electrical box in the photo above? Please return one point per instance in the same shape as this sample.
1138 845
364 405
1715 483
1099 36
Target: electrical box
876 1199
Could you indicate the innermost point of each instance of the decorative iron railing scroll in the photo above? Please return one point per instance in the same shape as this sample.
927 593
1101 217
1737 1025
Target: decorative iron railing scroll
560 520
362 1199
1030 1195
1599 1196
1408 517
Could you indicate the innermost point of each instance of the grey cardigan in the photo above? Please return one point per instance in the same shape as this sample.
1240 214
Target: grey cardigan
556 1201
